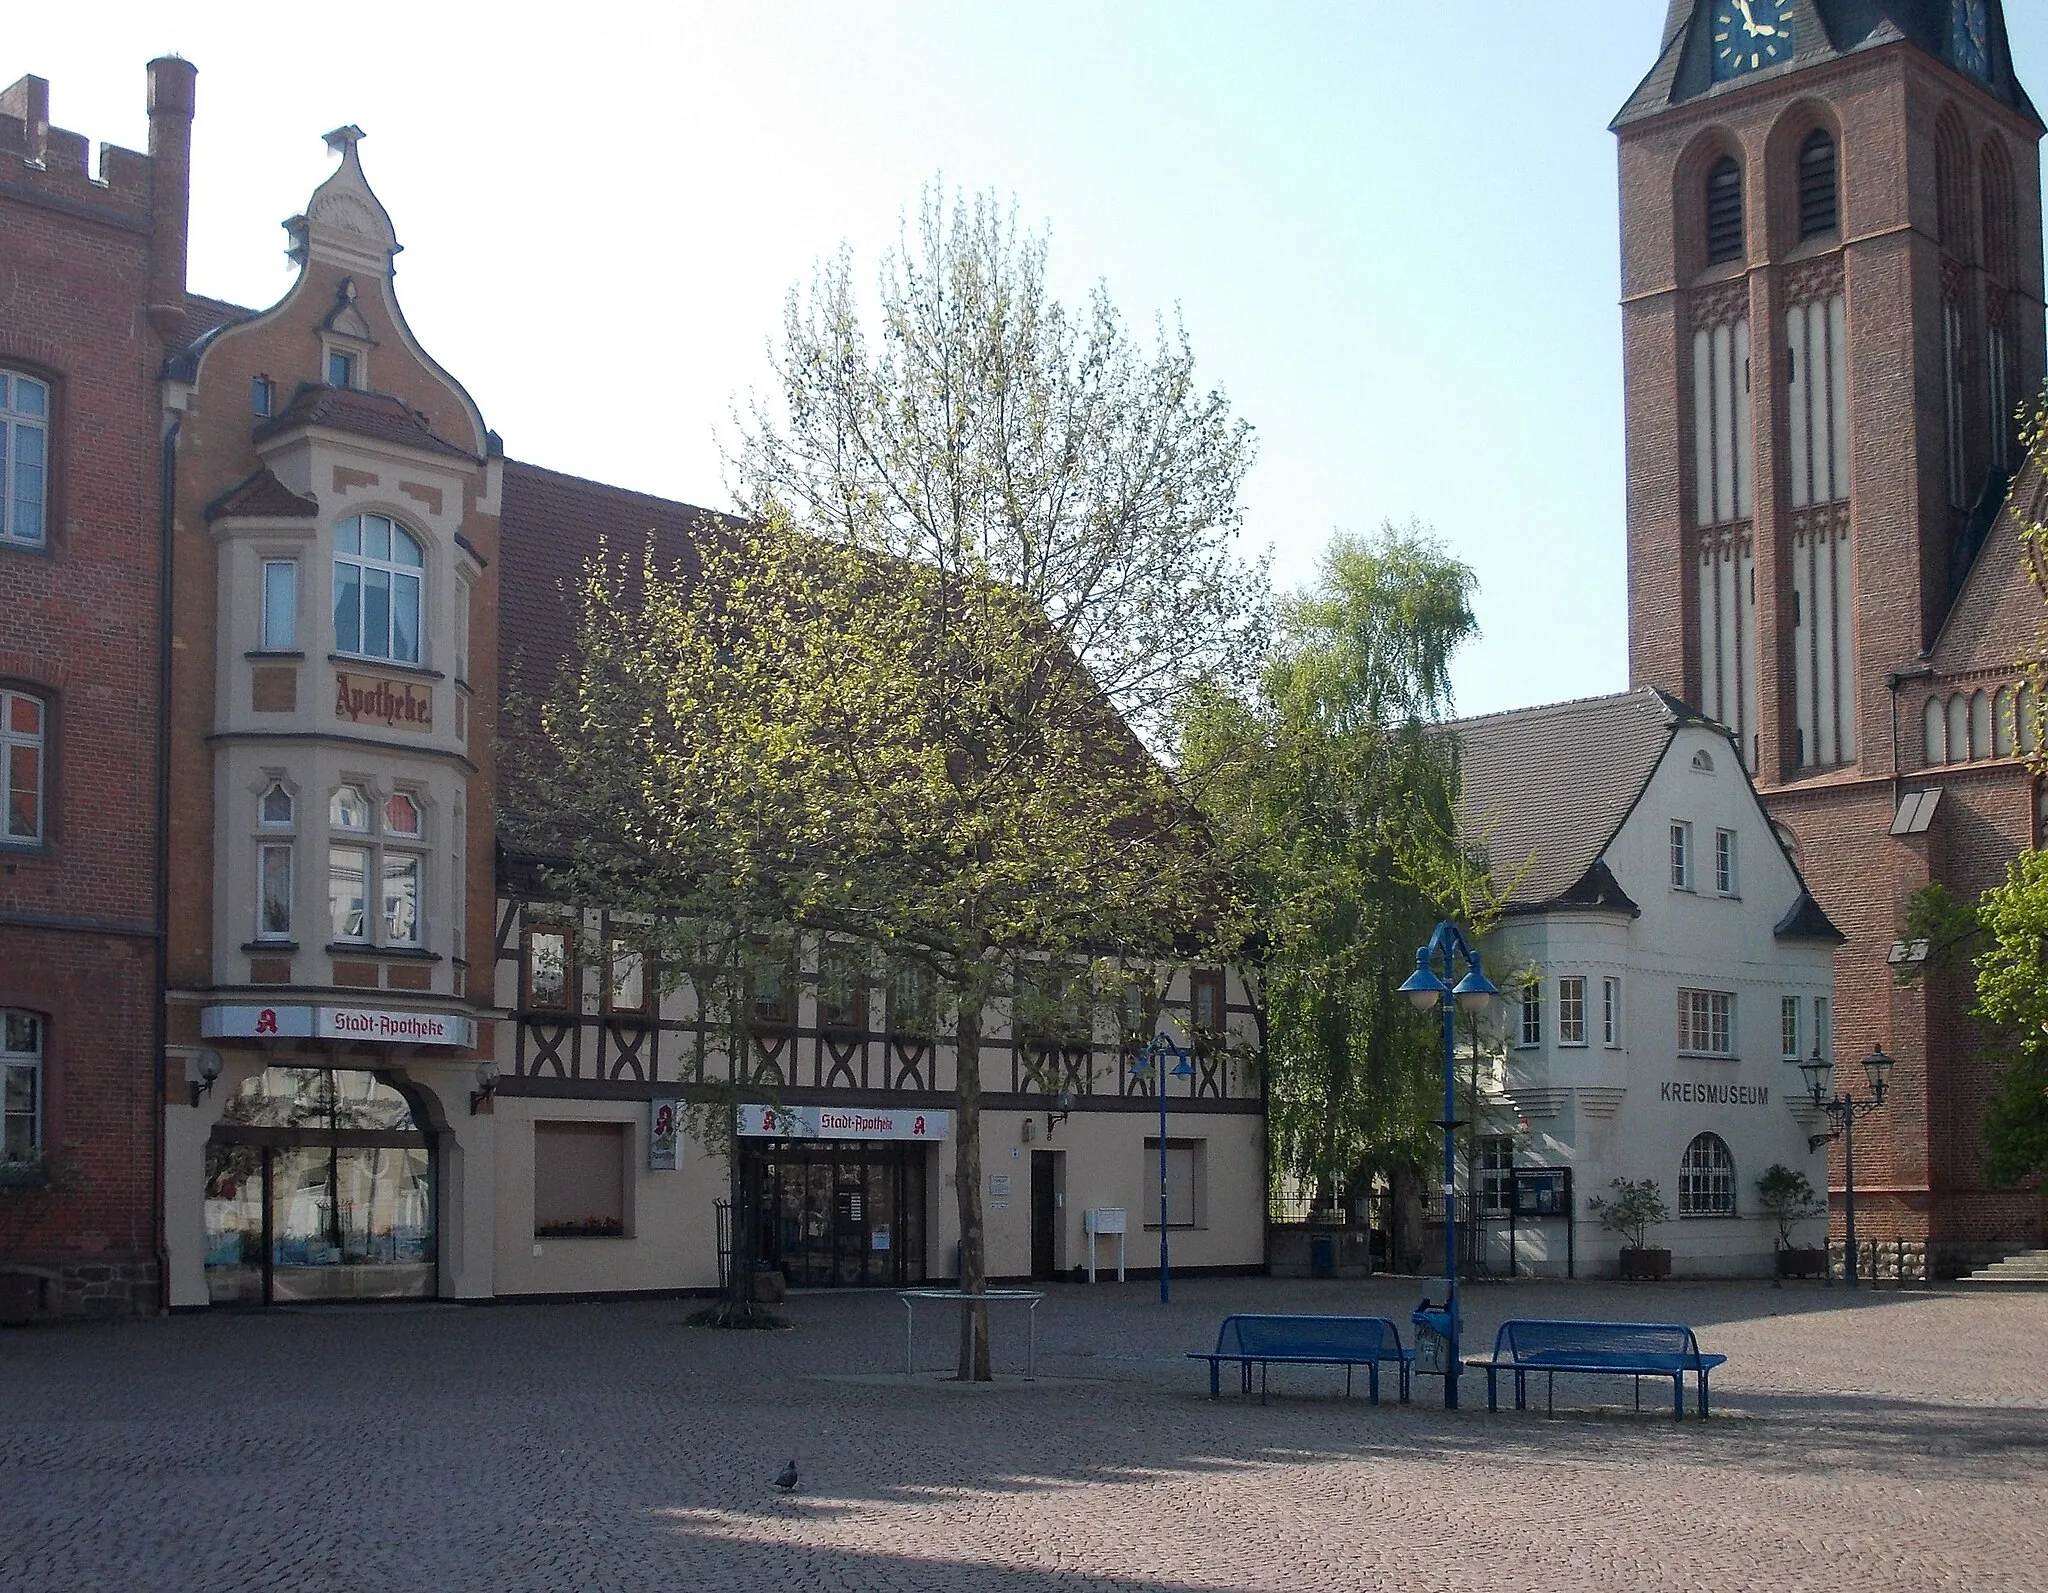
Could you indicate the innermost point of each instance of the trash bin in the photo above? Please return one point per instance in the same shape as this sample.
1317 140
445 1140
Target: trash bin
1322 1254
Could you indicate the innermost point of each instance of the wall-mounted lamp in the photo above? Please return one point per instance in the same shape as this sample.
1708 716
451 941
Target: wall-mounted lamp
209 1070
486 1086
1054 1119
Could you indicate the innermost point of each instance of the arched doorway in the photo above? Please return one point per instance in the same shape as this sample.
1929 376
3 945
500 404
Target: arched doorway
319 1186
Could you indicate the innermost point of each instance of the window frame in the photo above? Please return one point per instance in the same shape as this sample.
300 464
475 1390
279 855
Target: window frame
1807 179
1196 1151
1824 1026
394 570
1717 247
34 1063
1706 1188
1215 981
1716 1009
364 899
262 396
1529 1031
1571 997
1493 1166
834 960
37 742
905 1017
550 930
1610 1011
268 639
275 844
1727 864
13 422
1790 1030
1678 847
351 364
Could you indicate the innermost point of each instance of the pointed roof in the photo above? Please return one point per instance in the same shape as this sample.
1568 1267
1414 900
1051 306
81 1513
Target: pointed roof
1822 30
378 416
1544 790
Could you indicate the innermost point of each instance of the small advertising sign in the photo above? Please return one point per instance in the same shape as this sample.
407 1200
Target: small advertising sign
664 1154
841 1122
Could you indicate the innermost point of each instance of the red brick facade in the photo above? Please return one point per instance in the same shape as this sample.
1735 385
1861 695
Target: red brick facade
1901 258
95 274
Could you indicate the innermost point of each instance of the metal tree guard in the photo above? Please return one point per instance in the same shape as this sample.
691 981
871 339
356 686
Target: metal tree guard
1427 989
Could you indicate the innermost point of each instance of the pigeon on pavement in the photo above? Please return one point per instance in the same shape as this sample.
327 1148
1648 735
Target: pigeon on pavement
786 1478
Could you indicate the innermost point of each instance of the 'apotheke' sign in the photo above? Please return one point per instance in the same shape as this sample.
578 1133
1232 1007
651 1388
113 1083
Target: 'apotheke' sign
372 699
841 1122
336 1023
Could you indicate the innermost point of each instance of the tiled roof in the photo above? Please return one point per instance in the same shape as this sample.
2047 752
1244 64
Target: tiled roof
375 415
1543 790
1805 921
262 495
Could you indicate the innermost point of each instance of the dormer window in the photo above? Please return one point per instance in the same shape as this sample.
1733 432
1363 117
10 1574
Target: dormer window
341 368
1817 204
1724 211
1703 762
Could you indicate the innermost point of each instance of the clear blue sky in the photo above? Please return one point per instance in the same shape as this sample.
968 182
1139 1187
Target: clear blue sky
1390 228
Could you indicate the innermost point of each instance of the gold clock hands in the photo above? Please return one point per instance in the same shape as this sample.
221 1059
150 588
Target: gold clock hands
1748 17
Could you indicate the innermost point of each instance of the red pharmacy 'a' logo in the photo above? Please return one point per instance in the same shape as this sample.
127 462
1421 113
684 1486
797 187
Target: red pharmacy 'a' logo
266 1021
917 1127
767 1118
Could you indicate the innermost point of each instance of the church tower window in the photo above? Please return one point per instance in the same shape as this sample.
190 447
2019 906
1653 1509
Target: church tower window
1817 199
1724 211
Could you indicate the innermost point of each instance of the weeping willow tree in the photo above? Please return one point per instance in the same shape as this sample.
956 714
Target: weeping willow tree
1334 786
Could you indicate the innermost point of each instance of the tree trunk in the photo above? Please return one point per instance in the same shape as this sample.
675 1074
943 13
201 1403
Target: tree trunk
973 1366
1405 1208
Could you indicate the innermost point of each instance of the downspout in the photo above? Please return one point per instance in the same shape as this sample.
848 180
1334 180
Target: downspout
159 1020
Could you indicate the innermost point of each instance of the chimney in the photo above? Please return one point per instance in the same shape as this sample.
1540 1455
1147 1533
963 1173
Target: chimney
27 101
171 83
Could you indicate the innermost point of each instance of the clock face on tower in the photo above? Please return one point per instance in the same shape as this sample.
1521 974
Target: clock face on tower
1748 34
1969 36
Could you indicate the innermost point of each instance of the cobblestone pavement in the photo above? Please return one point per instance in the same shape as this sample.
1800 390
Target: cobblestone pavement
1869 1442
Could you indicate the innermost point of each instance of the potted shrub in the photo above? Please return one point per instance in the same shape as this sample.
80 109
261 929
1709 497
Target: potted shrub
1788 1197
1635 1207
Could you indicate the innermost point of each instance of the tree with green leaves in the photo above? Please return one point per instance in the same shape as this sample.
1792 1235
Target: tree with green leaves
1333 787
984 551
1999 939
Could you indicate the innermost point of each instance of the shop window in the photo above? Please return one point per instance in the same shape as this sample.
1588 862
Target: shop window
24 458
1706 1022
1706 1179
378 570
579 1180
21 1085
1186 1169
547 968
23 749
1571 1010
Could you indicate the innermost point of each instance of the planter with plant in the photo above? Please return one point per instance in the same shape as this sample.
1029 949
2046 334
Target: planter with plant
1787 1197
1635 1207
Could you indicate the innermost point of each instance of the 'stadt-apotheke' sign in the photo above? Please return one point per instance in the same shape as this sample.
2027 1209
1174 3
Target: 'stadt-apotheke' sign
1715 1094
336 1023
373 699
841 1122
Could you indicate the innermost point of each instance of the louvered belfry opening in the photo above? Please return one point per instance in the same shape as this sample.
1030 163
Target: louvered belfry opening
1724 211
1817 202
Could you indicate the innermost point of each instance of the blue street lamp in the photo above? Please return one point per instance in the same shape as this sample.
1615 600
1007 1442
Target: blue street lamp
1151 1061
1427 989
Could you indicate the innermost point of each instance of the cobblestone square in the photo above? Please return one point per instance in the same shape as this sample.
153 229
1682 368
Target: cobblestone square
1860 1441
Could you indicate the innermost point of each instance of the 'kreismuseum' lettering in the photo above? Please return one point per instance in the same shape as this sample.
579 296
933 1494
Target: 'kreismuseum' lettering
1717 1094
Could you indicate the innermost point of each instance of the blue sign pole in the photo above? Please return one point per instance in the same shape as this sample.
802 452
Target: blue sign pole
1155 1062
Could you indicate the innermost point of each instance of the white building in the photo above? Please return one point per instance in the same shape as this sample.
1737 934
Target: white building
1666 972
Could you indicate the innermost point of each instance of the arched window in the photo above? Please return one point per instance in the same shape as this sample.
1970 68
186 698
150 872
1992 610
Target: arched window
1817 202
1703 762
21 1085
1706 1179
2001 728
275 857
24 457
274 807
1724 211
23 722
378 570
1995 191
2026 710
1937 732
1959 750
1980 725
1952 184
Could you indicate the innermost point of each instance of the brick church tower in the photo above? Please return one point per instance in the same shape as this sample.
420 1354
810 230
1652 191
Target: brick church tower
1832 310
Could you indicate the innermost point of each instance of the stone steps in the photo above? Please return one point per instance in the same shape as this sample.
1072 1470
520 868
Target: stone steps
2029 1266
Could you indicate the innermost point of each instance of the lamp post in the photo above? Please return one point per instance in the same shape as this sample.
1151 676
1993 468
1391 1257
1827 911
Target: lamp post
1426 988
1152 1060
1845 1109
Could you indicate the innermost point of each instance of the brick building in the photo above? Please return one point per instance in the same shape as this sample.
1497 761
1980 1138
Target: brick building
1823 552
94 267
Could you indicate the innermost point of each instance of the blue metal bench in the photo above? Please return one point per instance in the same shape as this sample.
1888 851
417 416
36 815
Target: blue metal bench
1626 1349
1346 1341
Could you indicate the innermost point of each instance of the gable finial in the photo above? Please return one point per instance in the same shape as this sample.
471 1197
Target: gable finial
343 140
